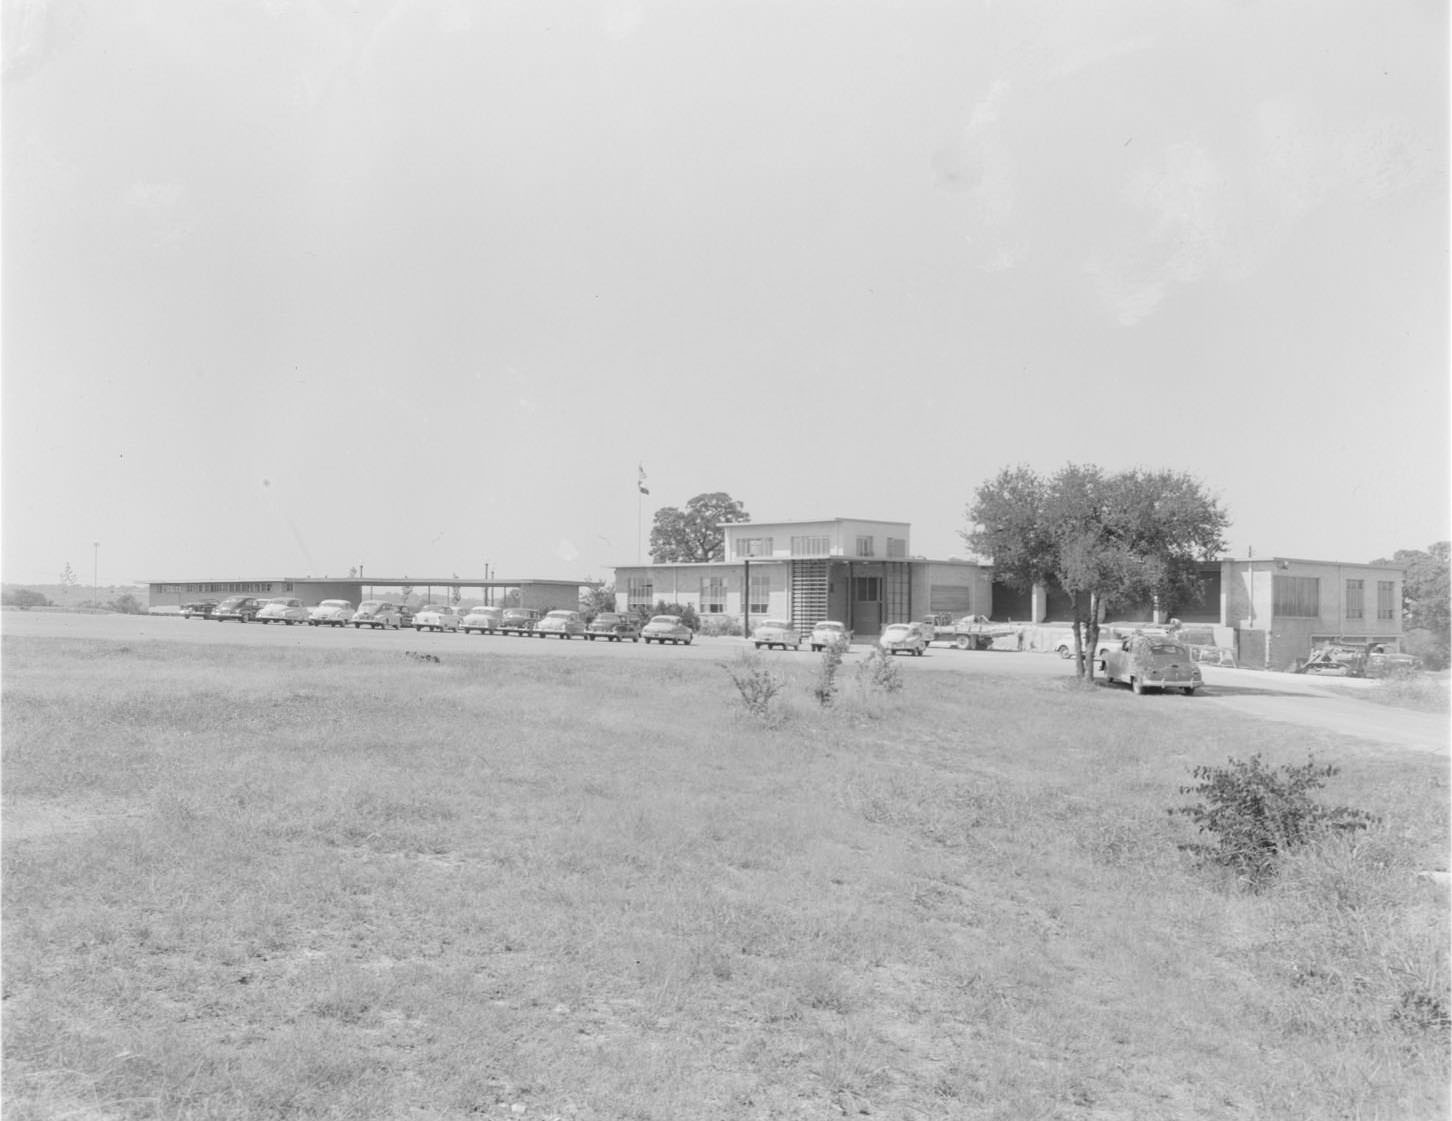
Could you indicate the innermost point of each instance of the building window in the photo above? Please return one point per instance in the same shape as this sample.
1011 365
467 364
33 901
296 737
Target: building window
713 595
1356 599
753 546
867 589
897 547
639 592
760 593
1296 596
811 546
1386 599
864 546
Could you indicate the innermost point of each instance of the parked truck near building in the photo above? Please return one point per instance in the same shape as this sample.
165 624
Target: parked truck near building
972 632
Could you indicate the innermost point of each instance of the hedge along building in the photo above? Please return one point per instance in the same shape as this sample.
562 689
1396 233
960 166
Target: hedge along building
858 571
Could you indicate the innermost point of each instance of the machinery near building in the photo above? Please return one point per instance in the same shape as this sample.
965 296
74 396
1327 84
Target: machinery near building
972 632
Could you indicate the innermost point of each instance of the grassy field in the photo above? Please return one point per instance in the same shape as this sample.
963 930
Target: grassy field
268 883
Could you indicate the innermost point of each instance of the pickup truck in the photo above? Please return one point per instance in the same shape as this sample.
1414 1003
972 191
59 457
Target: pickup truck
972 632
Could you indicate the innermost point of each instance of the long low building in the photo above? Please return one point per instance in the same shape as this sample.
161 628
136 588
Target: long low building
1272 612
543 595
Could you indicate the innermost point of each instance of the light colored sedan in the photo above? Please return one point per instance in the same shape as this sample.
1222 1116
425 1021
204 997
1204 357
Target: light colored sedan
378 614
283 609
667 628
1152 662
904 638
482 619
436 617
561 624
331 613
829 634
776 632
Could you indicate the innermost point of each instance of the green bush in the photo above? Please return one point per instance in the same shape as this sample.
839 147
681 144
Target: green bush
879 672
824 686
758 686
24 598
1257 813
716 625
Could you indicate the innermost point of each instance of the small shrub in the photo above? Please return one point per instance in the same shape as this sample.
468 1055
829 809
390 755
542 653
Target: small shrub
126 604
824 687
758 686
717 625
878 672
1258 813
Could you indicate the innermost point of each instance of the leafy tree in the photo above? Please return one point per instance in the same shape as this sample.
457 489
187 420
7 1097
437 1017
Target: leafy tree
1103 540
126 604
24 598
595 599
692 533
1426 600
68 577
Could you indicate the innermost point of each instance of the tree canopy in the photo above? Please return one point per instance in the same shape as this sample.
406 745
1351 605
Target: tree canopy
1103 539
692 533
1426 600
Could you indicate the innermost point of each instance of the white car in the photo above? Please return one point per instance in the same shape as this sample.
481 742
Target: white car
378 614
829 634
776 632
283 609
436 617
482 619
909 638
331 613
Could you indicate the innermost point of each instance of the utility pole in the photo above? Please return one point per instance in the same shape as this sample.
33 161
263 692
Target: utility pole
96 573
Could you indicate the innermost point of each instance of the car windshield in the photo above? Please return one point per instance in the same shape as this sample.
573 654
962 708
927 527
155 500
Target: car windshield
779 624
234 601
667 620
335 603
280 601
560 615
830 627
897 630
1171 648
607 620
371 605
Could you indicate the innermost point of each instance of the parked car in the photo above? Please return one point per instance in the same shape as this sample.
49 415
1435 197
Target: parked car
436 617
1357 660
283 609
518 620
667 628
613 627
828 633
561 624
911 638
1151 662
1065 648
331 613
379 614
481 619
776 632
242 608
202 609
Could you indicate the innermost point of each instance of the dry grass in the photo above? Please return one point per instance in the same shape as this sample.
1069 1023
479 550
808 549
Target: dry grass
265 883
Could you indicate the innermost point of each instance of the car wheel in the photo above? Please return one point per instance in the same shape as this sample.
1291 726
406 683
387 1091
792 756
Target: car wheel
1190 691
963 642
1137 685
758 646
1066 652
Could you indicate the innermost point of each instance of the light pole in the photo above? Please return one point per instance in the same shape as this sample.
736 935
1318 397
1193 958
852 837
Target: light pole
95 573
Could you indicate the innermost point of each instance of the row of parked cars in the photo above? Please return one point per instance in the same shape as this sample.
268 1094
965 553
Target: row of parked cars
896 638
386 615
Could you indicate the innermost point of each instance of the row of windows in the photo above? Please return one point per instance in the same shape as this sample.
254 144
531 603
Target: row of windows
235 589
640 592
815 546
1300 597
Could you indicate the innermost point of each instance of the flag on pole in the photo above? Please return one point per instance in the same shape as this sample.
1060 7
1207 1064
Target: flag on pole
640 480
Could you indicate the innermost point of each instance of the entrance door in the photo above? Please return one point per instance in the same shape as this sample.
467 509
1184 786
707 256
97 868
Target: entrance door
867 605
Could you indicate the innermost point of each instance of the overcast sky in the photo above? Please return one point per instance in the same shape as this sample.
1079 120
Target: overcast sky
290 286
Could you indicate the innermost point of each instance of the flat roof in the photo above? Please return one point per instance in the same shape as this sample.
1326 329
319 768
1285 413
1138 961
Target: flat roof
435 581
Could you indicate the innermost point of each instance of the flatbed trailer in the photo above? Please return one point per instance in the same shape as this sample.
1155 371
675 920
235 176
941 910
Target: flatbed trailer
971 632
